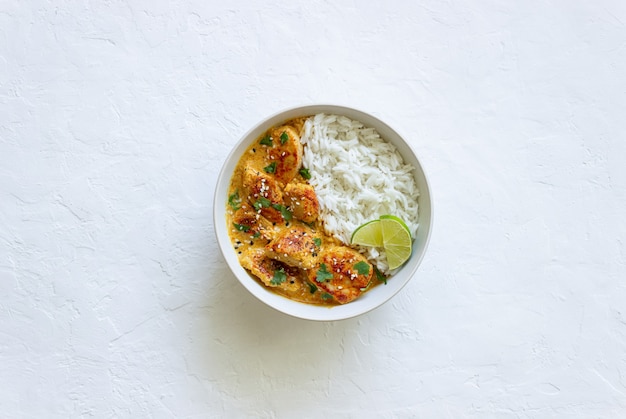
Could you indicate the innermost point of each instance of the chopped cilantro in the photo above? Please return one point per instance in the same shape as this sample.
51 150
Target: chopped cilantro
256 235
312 287
380 276
234 200
262 202
241 227
279 277
283 211
317 241
283 137
362 267
267 140
271 168
305 173
327 296
323 274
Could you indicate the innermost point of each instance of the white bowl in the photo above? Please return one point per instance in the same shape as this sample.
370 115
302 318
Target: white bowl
369 300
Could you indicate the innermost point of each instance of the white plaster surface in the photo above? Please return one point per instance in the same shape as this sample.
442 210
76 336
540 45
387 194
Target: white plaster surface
115 117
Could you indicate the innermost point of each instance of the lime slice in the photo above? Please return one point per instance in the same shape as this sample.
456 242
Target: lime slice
396 241
398 219
368 234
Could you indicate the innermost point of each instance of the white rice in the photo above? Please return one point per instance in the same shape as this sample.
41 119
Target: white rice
358 177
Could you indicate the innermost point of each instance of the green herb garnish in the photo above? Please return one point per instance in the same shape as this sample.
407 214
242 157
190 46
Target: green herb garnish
305 173
241 227
317 241
327 296
234 200
283 137
283 211
271 168
256 235
267 140
262 202
312 287
362 267
279 277
323 274
380 276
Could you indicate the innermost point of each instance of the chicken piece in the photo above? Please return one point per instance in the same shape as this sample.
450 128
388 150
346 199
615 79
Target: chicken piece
296 245
263 193
341 272
286 151
253 223
302 201
271 272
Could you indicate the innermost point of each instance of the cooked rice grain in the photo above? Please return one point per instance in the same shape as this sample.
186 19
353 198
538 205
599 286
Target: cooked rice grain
358 177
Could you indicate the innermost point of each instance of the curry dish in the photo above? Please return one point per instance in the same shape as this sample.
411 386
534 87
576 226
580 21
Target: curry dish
273 215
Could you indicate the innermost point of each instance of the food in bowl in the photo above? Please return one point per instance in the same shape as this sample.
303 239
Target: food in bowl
296 197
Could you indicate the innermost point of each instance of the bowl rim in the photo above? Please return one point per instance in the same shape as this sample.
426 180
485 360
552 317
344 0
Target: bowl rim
284 304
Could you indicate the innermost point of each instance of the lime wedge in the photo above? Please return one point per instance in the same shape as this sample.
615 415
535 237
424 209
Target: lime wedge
368 234
398 219
396 240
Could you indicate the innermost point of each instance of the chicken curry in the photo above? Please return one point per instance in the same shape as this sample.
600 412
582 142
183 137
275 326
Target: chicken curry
275 228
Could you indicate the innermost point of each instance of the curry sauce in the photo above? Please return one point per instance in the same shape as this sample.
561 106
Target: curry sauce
275 228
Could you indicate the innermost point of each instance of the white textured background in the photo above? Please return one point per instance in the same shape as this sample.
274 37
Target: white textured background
115 118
